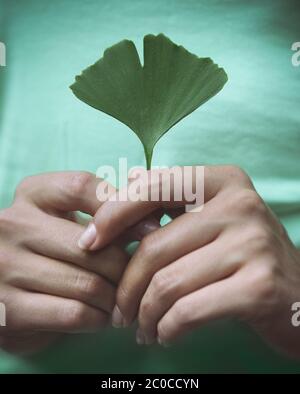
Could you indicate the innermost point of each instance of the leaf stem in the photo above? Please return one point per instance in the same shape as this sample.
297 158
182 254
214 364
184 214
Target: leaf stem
148 156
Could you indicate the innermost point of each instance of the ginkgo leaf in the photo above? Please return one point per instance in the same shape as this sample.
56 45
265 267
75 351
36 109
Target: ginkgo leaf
153 97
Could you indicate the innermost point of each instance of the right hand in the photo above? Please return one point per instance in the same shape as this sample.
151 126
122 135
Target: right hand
48 284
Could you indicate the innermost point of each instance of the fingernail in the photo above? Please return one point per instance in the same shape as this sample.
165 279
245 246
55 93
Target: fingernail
147 226
88 237
117 319
162 343
140 338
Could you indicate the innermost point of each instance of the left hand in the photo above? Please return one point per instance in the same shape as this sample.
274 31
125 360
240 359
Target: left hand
232 259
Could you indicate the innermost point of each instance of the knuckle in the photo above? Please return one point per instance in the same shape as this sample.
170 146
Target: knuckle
180 319
263 243
250 202
88 286
25 185
161 284
76 184
263 283
260 240
146 309
74 314
161 288
236 173
149 248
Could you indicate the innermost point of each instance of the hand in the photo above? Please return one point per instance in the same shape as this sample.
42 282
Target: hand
47 283
232 259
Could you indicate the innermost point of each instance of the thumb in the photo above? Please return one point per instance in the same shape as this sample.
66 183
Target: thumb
135 233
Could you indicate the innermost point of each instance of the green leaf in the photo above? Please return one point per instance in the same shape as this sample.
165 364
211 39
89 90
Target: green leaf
152 98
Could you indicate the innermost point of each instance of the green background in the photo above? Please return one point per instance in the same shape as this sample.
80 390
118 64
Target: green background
254 123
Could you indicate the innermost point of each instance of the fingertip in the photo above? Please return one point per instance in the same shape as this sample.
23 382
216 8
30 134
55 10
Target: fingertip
163 343
117 318
98 243
88 238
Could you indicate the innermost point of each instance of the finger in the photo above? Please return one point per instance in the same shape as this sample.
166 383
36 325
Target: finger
57 238
72 191
61 279
162 247
27 344
175 212
120 212
64 191
139 231
213 302
186 275
41 312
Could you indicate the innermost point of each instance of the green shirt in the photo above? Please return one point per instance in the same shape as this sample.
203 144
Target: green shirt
254 123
